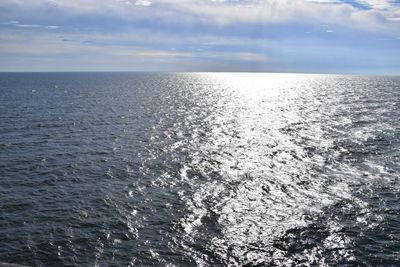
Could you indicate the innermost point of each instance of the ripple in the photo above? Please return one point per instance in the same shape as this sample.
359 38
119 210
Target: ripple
208 169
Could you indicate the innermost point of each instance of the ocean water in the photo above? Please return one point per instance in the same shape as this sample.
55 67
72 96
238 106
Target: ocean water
199 169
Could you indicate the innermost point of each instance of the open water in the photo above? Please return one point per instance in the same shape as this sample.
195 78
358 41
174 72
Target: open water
206 169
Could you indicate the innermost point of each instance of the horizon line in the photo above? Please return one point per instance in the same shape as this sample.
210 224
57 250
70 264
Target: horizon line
177 72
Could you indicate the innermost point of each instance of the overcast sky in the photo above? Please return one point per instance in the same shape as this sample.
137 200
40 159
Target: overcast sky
320 36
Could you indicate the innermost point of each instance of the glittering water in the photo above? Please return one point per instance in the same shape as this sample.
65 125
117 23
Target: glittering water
199 169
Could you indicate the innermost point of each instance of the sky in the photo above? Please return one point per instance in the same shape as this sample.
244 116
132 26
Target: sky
306 36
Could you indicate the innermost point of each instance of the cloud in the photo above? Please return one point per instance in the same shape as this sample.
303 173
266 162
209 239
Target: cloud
160 54
379 4
16 23
224 12
12 22
231 34
143 3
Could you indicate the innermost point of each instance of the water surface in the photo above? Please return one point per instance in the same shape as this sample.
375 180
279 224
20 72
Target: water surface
185 169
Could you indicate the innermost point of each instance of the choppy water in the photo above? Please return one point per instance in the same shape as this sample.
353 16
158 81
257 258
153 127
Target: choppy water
199 169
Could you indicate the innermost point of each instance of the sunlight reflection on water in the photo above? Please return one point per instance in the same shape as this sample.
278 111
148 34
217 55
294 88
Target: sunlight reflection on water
274 167
211 169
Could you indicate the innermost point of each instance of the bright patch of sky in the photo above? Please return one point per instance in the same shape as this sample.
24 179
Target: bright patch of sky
323 36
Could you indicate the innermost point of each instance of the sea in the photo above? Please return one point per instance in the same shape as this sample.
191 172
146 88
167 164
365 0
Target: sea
199 169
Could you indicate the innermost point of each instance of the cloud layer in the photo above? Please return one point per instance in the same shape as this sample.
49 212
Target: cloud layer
254 35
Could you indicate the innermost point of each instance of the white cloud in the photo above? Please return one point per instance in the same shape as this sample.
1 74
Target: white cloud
28 25
143 3
287 11
11 22
378 4
224 12
159 53
16 23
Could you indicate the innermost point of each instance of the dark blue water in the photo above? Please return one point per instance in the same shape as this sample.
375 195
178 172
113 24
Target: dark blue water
118 169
